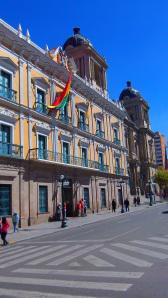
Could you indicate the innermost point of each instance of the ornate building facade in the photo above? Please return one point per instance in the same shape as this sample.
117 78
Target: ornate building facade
85 141
139 140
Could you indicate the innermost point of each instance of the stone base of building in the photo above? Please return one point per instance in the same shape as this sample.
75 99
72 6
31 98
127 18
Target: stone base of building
33 189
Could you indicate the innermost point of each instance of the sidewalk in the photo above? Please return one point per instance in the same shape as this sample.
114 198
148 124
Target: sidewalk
53 227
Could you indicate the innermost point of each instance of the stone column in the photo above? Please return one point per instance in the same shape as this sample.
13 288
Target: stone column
29 88
21 82
21 123
75 145
30 132
74 120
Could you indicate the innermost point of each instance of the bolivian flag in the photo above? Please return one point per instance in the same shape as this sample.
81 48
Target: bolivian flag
62 99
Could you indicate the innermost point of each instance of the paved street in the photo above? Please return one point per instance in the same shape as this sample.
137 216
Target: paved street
121 256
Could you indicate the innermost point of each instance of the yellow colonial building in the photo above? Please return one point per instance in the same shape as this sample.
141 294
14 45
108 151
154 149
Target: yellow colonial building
85 141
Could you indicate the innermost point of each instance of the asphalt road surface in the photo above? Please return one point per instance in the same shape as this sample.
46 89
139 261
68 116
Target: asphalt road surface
125 256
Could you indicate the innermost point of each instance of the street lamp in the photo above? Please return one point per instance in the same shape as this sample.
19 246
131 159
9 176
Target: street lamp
120 182
63 220
150 192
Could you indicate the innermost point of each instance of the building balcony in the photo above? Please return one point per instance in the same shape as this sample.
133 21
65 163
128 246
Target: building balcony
38 154
41 107
103 168
117 141
11 150
83 126
66 119
100 133
119 171
7 93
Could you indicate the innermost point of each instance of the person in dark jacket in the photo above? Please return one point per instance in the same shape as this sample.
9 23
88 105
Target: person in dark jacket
113 205
126 203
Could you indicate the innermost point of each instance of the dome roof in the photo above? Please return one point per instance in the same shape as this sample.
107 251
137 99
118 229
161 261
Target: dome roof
129 92
76 40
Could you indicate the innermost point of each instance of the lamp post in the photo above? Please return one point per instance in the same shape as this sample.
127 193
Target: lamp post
63 220
122 200
150 193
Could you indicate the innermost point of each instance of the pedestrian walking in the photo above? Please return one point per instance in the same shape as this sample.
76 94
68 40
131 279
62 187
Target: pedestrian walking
15 221
126 203
113 205
85 208
138 201
58 212
135 201
82 207
4 230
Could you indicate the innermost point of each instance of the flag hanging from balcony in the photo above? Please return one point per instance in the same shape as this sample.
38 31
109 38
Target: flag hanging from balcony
62 99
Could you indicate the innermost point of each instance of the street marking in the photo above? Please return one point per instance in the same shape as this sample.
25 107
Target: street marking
15 251
99 240
126 258
108 274
151 244
142 251
29 255
30 294
66 283
54 255
97 262
161 239
26 252
75 264
75 255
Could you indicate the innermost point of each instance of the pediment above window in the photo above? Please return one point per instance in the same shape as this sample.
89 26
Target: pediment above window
83 142
100 148
41 127
65 136
82 106
115 124
8 64
40 82
98 115
8 116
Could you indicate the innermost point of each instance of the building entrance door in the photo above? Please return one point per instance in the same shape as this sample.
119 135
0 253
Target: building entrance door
67 196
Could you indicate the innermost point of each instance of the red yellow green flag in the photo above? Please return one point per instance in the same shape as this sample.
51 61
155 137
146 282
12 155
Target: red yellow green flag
62 99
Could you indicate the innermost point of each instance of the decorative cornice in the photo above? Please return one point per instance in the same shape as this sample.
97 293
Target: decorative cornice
8 115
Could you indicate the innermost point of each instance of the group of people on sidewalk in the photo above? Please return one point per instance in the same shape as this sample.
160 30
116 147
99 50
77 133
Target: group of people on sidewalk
81 208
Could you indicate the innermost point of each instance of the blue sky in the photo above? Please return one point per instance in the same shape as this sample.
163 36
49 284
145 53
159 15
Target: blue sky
132 36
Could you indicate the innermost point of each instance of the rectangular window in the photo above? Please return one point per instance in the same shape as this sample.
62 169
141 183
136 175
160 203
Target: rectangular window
5 85
84 157
43 199
103 197
98 125
65 149
86 196
42 147
101 161
40 101
5 140
5 200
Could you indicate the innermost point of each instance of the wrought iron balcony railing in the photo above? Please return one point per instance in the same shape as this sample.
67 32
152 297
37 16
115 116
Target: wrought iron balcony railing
37 153
119 171
41 107
100 133
7 93
66 119
83 126
11 150
117 141
103 168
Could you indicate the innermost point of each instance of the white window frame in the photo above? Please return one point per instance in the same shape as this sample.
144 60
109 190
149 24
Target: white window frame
37 139
9 72
12 137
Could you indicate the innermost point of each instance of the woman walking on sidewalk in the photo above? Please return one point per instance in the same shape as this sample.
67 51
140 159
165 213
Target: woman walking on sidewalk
4 230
